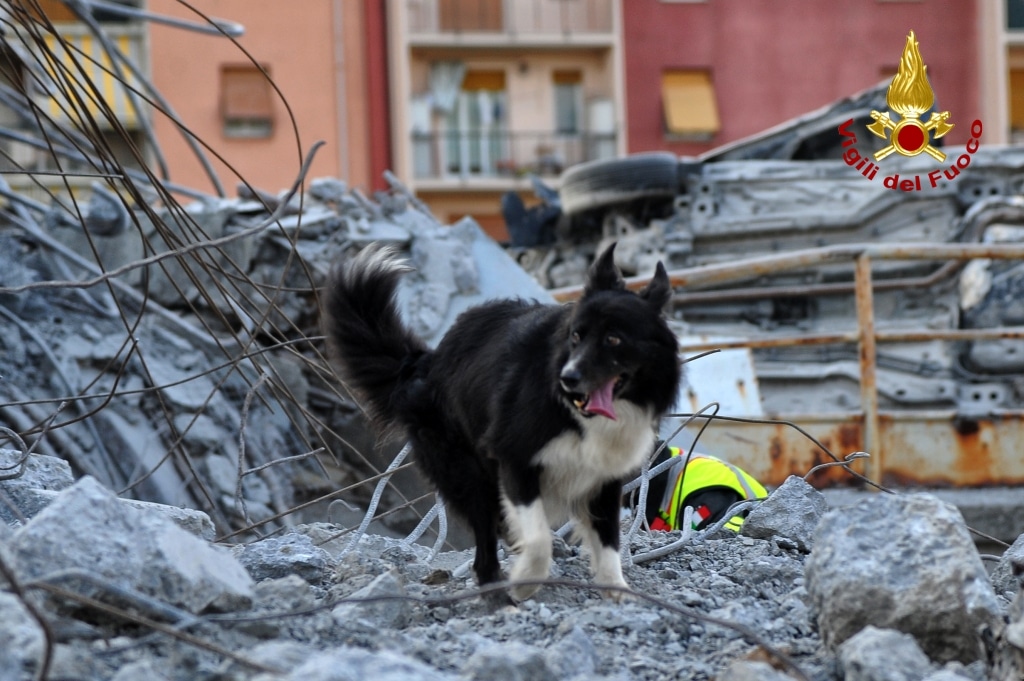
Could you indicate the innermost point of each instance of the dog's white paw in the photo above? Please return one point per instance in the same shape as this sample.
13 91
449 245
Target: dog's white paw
621 594
521 592
532 564
606 567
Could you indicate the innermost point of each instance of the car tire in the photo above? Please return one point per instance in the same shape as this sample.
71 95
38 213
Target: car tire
598 184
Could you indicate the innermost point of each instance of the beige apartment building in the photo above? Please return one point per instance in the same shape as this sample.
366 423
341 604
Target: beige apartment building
485 92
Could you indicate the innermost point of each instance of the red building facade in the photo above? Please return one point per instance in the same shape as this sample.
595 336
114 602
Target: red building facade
757 64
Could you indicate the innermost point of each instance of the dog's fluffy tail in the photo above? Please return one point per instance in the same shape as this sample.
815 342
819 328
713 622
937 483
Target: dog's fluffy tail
375 354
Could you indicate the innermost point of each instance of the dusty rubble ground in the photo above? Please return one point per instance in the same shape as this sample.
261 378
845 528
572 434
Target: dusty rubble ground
129 590
253 585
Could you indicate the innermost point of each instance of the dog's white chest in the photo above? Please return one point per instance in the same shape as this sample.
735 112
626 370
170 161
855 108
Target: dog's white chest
575 464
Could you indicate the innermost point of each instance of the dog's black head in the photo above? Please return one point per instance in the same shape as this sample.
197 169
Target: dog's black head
618 345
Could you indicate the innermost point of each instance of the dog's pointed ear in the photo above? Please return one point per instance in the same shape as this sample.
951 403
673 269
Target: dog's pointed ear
659 290
603 274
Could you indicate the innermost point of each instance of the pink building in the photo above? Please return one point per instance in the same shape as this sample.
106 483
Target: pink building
700 74
321 58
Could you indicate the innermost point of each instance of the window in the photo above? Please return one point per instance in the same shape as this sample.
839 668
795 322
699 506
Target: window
688 98
246 102
1015 94
1015 14
568 101
471 15
1016 105
475 135
88 87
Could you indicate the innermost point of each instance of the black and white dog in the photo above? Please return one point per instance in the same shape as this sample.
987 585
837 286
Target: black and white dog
525 414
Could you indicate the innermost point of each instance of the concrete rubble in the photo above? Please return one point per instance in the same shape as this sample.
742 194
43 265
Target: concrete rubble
219 398
159 529
891 589
922 576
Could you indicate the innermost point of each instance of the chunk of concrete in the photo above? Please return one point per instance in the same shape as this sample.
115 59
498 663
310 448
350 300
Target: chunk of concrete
509 661
21 639
86 527
904 562
752 670
574 655
874 654
1008 574
41 472
790 513
24 495
276 557
389 612
32 501
1007 662
352 664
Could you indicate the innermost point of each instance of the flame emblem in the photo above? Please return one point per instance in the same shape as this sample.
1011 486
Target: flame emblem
910 95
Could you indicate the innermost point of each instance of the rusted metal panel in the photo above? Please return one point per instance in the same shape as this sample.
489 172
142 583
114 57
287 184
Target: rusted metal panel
923 449
771 452
949 449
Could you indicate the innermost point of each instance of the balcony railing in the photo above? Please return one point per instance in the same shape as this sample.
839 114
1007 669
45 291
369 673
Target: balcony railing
502 154
510 17
88 82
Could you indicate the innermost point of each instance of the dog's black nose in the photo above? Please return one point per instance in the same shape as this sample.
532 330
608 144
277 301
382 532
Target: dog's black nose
570 378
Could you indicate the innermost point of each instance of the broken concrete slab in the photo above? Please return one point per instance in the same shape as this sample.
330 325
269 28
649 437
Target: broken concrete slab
181 386
456 268
32 501
87 528
904 562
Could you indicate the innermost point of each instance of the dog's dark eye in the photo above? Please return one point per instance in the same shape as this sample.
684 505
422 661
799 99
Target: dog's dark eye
575 338
612 340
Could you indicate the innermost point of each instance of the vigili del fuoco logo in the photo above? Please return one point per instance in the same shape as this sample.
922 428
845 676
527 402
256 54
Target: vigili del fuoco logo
909 97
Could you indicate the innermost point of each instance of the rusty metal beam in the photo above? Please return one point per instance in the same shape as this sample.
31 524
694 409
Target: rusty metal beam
739 270
908 336
868 369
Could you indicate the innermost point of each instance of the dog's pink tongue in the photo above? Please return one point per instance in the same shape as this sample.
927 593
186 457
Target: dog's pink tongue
600 401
